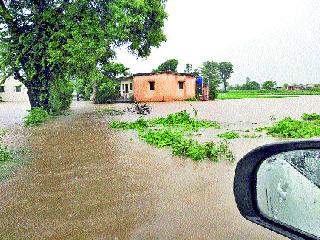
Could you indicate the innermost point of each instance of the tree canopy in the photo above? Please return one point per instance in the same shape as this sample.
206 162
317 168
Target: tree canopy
225 71
210 74
46 41
170 65
250 85
269 85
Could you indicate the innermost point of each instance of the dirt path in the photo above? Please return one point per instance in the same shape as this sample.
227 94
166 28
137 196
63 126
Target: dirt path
89 182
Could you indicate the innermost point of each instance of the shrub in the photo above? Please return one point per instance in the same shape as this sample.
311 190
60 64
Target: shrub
5 154
60 96
107 92
292 128
36 116
311 117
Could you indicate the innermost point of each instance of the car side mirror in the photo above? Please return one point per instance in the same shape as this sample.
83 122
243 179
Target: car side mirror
278 187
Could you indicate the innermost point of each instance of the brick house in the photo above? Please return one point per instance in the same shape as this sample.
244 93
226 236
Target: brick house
158 87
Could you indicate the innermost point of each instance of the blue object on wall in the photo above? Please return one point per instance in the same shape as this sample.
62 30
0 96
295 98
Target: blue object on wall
199 80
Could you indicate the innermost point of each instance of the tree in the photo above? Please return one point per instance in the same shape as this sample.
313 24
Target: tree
210 74
46 41
170 65
225 71
189 68
268 85
250 85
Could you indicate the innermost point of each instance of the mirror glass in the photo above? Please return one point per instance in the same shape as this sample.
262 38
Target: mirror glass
288 190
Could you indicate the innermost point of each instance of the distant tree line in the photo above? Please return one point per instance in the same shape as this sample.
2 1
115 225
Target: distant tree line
253 85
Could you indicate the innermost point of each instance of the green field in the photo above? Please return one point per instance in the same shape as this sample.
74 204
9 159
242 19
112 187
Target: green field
240 94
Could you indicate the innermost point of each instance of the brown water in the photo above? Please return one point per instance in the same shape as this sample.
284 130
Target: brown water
87 181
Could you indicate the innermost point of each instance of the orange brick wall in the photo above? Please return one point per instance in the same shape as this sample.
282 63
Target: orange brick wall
166 88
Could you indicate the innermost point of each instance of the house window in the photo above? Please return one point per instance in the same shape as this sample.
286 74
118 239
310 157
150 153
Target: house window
130 86
1 89
181 85
152 85
18 88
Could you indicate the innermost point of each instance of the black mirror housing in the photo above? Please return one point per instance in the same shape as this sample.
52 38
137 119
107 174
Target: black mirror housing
245 183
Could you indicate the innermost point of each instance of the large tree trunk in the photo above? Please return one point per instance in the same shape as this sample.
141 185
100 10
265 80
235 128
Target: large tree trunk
38 94
225 85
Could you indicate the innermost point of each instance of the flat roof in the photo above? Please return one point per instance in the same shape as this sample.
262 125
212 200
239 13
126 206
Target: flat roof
155 73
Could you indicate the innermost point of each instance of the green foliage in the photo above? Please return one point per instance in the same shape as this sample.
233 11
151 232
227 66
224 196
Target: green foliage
180 120
239 94
60 97
229 135
185 121
170 132
107 92
170 65
225 71
210 73
36 116
5 153
249 85
192 99
139 125
311 117
292 128
112 112
268 85
45 41
187 147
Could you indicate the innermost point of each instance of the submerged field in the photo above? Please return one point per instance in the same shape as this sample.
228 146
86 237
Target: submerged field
87 180
240 94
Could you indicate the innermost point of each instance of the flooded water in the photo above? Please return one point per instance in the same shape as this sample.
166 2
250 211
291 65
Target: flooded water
87 181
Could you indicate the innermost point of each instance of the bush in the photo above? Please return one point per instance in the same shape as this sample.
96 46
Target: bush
36 116
5 154
311 117
60 96
107 92
292 128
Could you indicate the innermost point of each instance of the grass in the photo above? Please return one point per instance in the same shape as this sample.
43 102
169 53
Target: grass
171 132
8 160
307 127
240 94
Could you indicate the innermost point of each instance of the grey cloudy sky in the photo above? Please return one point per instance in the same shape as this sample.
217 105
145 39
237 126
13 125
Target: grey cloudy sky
264 39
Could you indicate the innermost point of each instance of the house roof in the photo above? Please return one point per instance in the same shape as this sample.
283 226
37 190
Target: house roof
156 73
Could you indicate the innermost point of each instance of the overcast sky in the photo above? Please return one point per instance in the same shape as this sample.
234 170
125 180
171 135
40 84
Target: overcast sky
264 39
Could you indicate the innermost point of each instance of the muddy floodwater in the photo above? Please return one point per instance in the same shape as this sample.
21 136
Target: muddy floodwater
87 181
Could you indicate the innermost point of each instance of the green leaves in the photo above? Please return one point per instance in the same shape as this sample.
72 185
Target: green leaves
291 128
170 131
36 116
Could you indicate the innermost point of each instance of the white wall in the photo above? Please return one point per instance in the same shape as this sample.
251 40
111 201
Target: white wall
122 88
10 94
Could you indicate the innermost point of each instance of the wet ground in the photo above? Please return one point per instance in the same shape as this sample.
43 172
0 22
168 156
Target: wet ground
87 181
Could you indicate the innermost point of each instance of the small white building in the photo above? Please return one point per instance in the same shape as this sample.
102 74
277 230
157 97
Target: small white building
13 91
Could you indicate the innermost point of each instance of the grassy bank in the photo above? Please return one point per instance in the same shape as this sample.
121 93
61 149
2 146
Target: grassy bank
240 94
